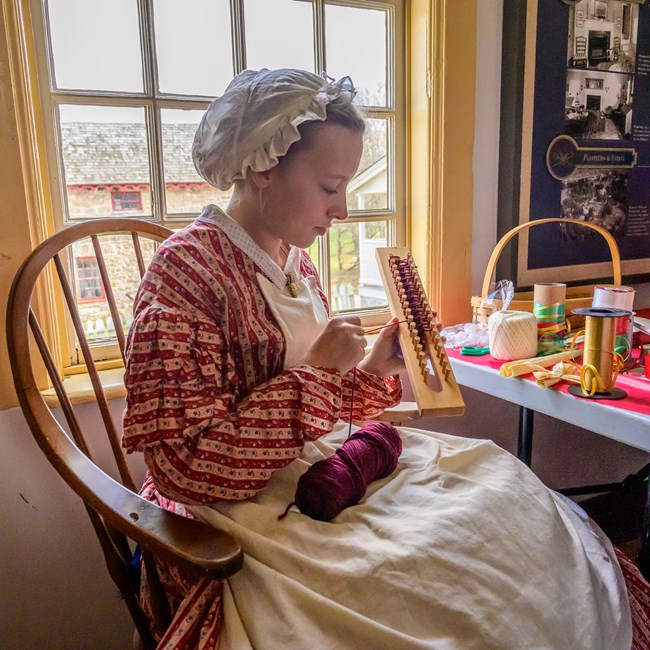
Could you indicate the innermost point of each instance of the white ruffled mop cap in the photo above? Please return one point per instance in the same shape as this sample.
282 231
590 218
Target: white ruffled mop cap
256 120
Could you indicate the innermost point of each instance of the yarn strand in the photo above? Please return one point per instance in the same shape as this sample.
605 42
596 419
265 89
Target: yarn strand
286 511
354 383
372 330
354 372
335 483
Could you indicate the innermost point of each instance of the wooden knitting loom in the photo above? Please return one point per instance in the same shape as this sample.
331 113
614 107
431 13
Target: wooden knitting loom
432 380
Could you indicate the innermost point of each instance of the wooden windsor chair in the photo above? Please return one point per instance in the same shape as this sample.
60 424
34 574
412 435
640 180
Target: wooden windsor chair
120 517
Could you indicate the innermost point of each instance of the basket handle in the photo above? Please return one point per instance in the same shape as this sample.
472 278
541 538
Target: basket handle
498 249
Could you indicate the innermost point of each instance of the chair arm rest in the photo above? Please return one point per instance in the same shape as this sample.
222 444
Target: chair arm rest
197 546
192 544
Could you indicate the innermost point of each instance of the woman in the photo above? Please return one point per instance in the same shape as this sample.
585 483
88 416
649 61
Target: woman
205 347
237 380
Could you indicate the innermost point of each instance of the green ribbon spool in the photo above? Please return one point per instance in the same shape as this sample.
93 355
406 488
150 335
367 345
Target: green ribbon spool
549 313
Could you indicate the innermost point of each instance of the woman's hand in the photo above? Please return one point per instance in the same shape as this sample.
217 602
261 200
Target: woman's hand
383 360
341 345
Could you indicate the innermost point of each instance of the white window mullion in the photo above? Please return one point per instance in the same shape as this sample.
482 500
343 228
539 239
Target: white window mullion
152 115
320 55
154 141
238 27
391 166
324 267
318 9
148 47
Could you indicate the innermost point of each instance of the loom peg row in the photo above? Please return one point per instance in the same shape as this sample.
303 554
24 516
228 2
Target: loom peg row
423 349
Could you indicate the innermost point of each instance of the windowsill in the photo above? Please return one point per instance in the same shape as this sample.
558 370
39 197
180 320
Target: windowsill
80 390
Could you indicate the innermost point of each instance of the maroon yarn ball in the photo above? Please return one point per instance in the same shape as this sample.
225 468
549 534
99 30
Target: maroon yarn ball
335 483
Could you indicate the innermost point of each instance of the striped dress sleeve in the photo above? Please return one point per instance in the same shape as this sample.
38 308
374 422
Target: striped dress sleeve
201 441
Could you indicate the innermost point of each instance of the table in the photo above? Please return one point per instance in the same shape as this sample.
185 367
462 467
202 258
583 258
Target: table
627 420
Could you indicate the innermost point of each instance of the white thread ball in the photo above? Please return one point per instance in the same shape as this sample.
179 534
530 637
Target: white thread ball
513 335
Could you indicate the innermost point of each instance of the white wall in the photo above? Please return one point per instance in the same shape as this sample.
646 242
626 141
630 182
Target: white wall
486 137
56 591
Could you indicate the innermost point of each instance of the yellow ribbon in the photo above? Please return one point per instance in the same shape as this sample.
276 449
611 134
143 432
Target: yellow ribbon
564 371
526 366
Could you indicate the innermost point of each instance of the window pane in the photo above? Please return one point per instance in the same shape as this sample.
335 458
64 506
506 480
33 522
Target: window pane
312 251
105 156
355 278
126 201
185 191
122 268
279 34
368 190
96 44
193 46
89 284
355 40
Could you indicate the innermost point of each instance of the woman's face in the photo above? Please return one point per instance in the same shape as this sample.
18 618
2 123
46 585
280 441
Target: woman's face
306 192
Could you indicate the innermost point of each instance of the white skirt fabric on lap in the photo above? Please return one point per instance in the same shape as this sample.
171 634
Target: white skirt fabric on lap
460 547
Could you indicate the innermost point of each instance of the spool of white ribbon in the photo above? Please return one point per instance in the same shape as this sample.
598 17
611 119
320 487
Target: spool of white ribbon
513 335
614 296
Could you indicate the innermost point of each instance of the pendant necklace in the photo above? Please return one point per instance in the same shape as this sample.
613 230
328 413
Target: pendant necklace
291 285
291 282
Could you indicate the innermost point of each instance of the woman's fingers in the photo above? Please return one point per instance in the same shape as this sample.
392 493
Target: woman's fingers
341 345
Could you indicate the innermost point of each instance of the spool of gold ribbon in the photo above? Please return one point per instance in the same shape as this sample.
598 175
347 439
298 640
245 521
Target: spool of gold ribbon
600 362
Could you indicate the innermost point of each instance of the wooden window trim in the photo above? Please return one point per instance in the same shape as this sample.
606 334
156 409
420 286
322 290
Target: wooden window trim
38 219
442 104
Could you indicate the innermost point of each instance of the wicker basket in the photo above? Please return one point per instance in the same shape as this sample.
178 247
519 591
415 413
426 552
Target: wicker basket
581 296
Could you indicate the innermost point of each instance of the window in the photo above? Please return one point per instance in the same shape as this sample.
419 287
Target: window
438 58
121 114
626 27
126 201
88 281
593 84
152 88
94 310
600 8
